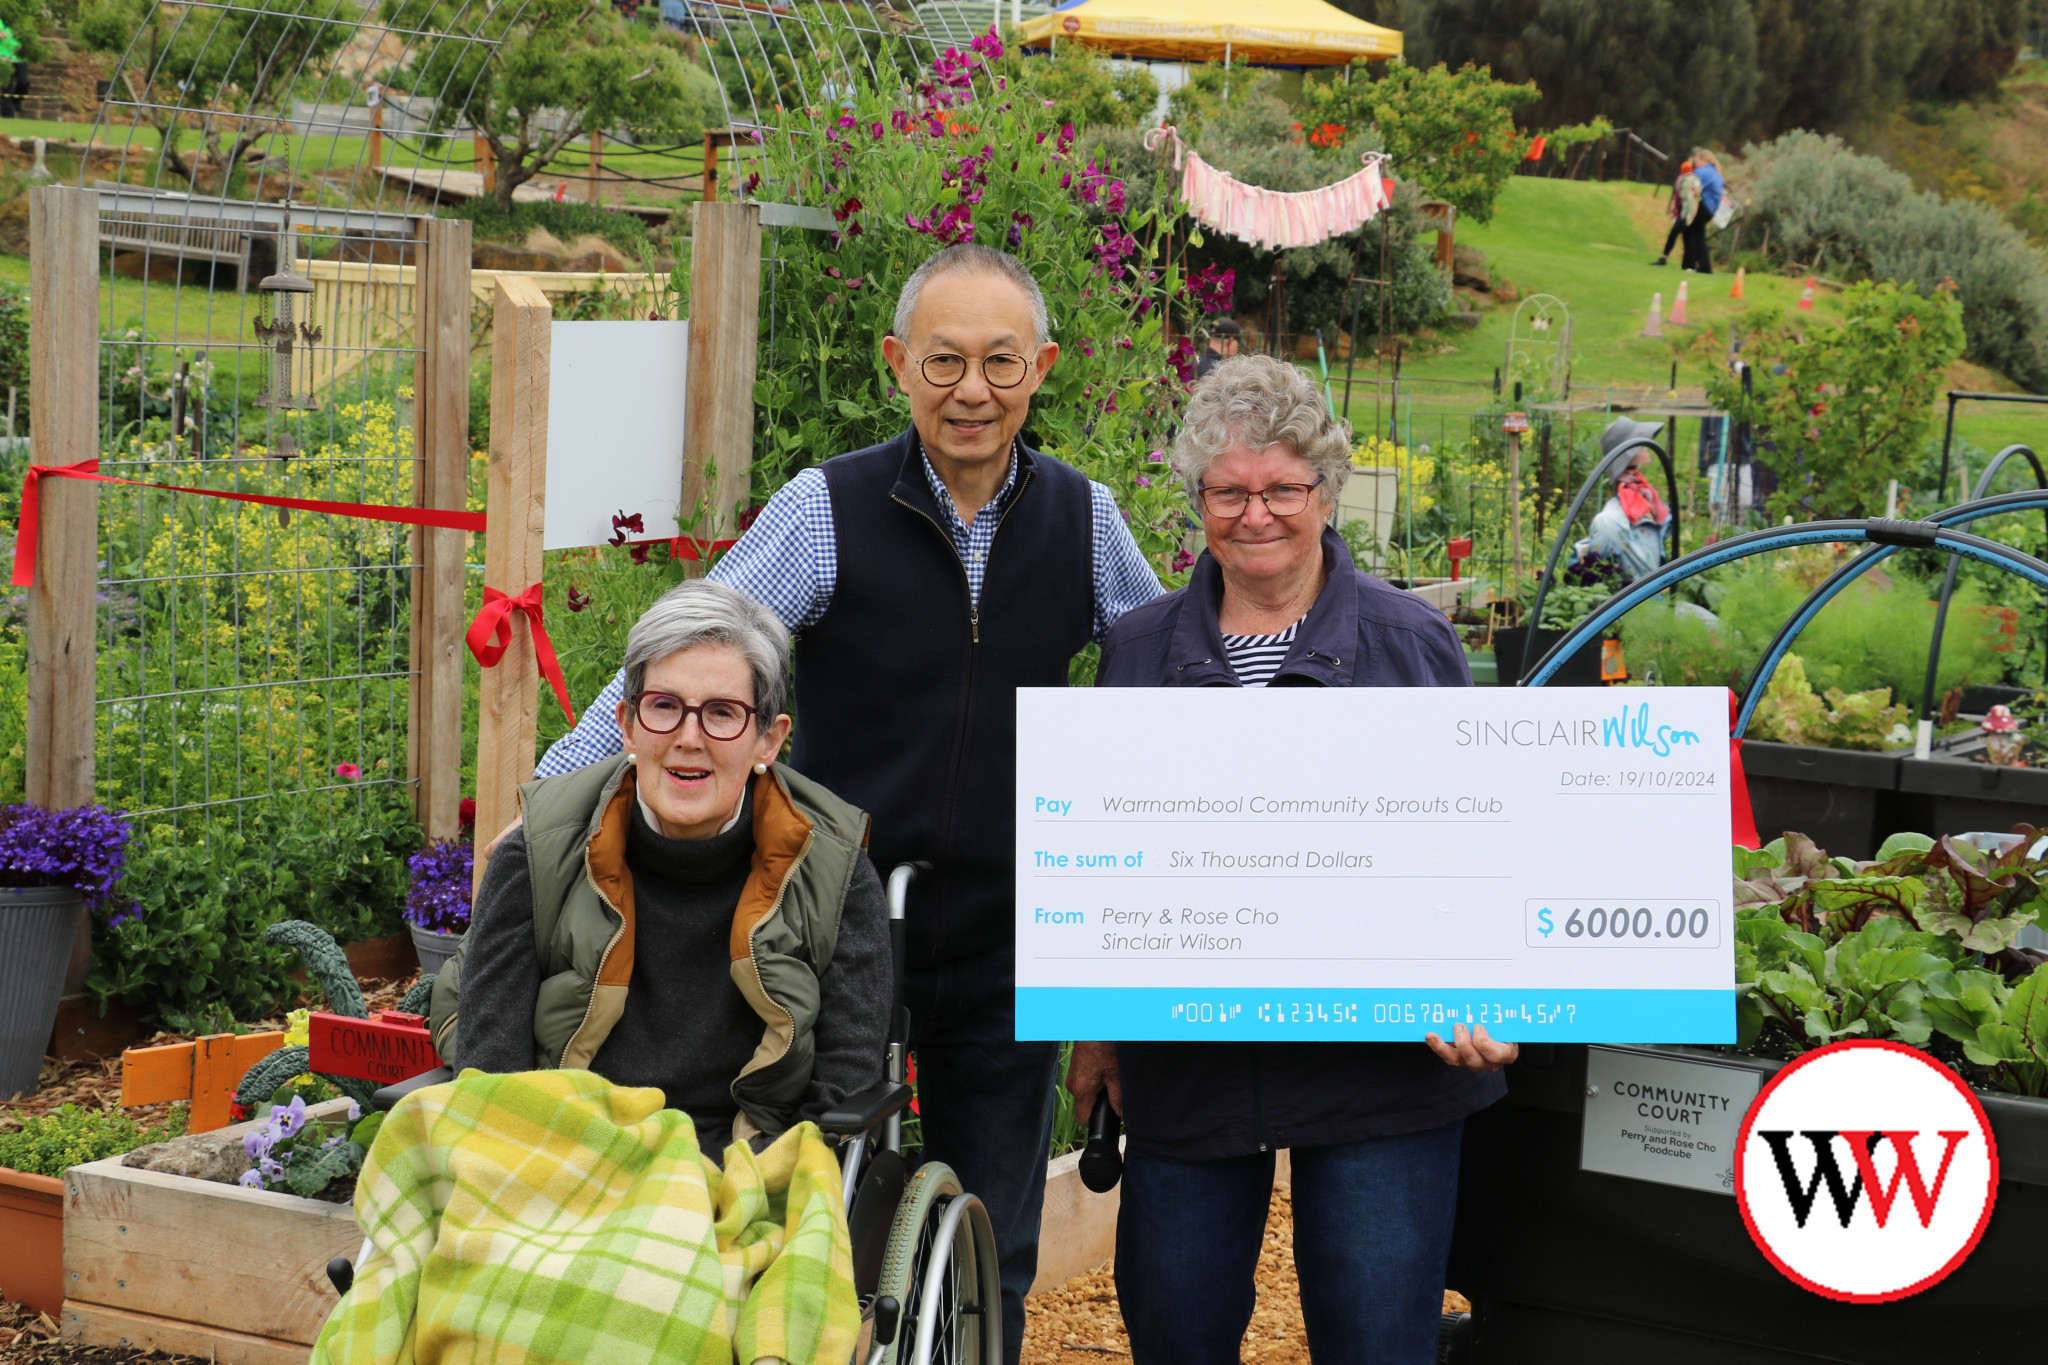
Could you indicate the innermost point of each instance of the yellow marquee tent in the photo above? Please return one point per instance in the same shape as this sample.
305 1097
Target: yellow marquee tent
1284 33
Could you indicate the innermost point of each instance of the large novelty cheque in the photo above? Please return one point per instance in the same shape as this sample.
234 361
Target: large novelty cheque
1374 863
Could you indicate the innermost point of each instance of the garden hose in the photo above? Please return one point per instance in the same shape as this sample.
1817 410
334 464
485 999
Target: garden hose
1887 535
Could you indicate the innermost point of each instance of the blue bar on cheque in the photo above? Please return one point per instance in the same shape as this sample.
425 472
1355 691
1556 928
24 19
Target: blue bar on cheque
1374 864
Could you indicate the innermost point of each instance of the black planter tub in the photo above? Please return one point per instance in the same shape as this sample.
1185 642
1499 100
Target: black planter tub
1571 1267
1842 799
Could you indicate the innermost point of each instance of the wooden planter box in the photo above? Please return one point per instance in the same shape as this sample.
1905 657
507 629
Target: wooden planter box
167 1262
1844 800
32 1240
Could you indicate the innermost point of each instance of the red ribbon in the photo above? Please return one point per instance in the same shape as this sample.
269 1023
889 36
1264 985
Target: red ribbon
1742 820
490 635
25 539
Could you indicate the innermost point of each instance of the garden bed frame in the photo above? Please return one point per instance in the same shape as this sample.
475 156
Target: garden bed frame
1565 1265
238 1276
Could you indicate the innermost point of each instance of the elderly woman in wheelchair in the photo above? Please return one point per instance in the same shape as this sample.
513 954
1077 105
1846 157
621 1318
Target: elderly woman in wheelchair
691 918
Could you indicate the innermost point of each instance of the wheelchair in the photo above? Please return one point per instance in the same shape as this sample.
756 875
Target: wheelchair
924 1254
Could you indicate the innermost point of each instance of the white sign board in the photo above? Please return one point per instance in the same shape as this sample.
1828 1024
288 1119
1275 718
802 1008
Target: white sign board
1374 863
1671 1120
615 429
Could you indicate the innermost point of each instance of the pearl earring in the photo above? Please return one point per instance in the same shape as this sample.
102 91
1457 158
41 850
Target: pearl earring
632 758
760 767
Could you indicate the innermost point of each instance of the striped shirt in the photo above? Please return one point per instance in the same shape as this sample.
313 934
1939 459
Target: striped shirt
1256 658
788 561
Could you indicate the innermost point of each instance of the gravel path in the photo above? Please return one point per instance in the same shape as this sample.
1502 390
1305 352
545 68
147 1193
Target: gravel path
1078 1323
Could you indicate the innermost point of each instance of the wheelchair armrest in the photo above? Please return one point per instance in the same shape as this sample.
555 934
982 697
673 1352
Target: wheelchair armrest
390 1095
858 1113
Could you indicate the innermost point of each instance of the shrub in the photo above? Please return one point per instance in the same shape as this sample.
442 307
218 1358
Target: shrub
1819 203
1846 406
50 1144
565 220
1084 88
194 941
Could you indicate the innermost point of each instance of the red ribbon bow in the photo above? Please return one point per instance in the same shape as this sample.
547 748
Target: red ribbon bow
1742 820
25 538
490 635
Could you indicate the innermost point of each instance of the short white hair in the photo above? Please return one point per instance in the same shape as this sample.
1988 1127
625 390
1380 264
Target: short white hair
700 612
968 259
1261 402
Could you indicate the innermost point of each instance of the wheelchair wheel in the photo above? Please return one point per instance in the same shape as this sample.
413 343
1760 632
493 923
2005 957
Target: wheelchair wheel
941 1267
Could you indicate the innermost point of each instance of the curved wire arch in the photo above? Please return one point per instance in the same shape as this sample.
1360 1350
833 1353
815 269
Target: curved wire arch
1948 577
1885 537
1571 516
2027 500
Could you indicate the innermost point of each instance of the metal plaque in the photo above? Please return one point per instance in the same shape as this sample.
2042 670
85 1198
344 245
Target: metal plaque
1672 1120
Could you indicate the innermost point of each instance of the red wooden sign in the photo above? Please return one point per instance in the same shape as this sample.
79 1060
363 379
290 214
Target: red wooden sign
390 1048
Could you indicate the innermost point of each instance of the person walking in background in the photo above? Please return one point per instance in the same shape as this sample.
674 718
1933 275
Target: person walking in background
1676 210
1708 172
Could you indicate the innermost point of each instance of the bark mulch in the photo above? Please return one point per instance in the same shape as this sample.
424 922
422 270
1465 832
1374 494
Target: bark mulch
1079 1324
97 1085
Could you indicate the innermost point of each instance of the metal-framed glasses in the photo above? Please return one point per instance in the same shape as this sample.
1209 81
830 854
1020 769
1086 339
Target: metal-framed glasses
943 369
1281 499
663 713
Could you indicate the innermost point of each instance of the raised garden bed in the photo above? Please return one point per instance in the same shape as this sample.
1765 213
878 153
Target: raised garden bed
196 1267
1581 670
1566 1265
1955 791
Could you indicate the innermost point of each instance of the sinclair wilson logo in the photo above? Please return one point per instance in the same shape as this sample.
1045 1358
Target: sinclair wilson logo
1866 1171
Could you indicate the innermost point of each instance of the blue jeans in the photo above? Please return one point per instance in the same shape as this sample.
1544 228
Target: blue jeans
1372 1231
986 1101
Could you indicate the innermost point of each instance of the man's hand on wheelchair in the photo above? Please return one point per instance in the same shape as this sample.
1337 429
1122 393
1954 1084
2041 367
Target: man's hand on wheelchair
1090 1071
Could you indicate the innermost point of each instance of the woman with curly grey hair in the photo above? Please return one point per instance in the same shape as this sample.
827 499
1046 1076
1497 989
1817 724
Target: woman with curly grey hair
1374 1128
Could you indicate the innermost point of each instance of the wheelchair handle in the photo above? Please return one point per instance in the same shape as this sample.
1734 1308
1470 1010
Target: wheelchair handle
1102 1163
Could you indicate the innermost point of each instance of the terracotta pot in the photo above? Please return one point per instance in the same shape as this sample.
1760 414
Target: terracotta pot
32 1240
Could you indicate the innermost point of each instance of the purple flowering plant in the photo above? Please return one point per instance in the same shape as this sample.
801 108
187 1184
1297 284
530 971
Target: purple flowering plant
84 848
441 875
292 1152
906 167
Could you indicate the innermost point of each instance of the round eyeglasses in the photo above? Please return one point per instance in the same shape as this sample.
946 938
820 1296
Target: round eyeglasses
662 713
1002 370
1281 499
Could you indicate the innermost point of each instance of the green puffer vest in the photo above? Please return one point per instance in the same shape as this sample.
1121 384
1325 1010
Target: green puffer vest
807 843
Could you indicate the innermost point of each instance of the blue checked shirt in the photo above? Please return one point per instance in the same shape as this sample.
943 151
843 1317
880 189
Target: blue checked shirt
788 561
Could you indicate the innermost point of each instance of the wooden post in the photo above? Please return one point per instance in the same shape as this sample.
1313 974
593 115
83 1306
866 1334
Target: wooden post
64 355
515 515
725 326
440 480
710 169
1515 505
377 135
486 163
596 164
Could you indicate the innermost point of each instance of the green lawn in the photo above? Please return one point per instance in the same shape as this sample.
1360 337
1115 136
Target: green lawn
1591 245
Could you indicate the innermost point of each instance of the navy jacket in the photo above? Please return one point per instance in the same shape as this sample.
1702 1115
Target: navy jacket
906 688
1208 1101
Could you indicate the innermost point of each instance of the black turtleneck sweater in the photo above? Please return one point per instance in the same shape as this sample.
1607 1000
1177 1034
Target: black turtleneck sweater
686 1027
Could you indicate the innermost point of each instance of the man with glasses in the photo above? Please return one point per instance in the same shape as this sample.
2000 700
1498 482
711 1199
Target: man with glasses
926 579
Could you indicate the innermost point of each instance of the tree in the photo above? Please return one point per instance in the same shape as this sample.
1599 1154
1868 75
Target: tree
542 75
1679 72
1843 409
199 64
1451 131
1970 46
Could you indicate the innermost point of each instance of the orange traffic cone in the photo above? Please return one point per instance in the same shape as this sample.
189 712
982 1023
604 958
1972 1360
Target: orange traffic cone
1736 292
1806 295
1678 304
1654 326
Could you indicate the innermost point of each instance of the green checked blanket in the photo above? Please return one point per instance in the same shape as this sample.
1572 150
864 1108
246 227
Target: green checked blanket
552 1216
